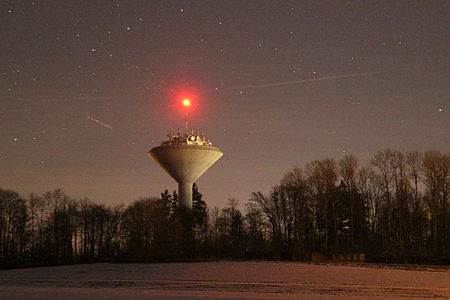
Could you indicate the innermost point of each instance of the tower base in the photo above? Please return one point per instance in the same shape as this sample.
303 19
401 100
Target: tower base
185 194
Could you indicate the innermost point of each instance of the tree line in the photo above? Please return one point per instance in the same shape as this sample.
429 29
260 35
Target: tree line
396 210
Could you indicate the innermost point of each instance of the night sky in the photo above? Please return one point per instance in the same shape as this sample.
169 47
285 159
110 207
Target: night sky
88 87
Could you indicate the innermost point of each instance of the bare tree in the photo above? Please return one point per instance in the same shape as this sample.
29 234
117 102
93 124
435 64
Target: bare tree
348 169
436 177
13 221
322 177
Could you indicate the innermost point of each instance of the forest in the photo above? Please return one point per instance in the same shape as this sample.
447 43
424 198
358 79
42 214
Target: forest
395 209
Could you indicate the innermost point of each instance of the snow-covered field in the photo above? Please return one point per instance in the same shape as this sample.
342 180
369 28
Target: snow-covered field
224 280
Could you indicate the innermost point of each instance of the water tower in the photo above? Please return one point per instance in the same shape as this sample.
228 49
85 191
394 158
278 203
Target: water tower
185 156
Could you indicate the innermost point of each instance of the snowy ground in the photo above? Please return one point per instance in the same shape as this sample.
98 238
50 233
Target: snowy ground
224 280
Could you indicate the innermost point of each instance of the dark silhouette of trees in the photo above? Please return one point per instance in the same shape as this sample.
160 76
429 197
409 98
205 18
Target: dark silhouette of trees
322 177
436 177
353 226
147 230
257 232
395 209
13 222
232 230
97 231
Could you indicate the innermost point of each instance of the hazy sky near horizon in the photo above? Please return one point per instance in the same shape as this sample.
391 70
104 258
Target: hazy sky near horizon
88 87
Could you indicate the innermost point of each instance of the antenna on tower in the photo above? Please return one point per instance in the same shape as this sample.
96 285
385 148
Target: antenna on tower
186 103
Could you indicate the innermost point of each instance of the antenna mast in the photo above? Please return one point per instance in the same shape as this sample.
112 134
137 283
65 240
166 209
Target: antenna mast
186 103
186 120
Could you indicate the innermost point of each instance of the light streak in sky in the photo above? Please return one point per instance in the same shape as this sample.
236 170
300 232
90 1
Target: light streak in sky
87 98
274 84
99 122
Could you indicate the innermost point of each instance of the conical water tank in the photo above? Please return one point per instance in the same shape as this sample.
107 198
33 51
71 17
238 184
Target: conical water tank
185 163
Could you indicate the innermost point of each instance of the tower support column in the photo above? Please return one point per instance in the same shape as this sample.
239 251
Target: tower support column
185 194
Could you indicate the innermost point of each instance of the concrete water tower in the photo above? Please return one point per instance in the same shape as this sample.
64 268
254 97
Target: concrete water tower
185 156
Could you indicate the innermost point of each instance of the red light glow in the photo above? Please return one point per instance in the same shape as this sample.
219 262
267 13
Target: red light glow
186 102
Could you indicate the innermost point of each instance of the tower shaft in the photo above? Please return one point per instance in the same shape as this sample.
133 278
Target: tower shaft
186 120
185 194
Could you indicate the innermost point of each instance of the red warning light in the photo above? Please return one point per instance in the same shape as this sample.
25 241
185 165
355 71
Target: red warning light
186 102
